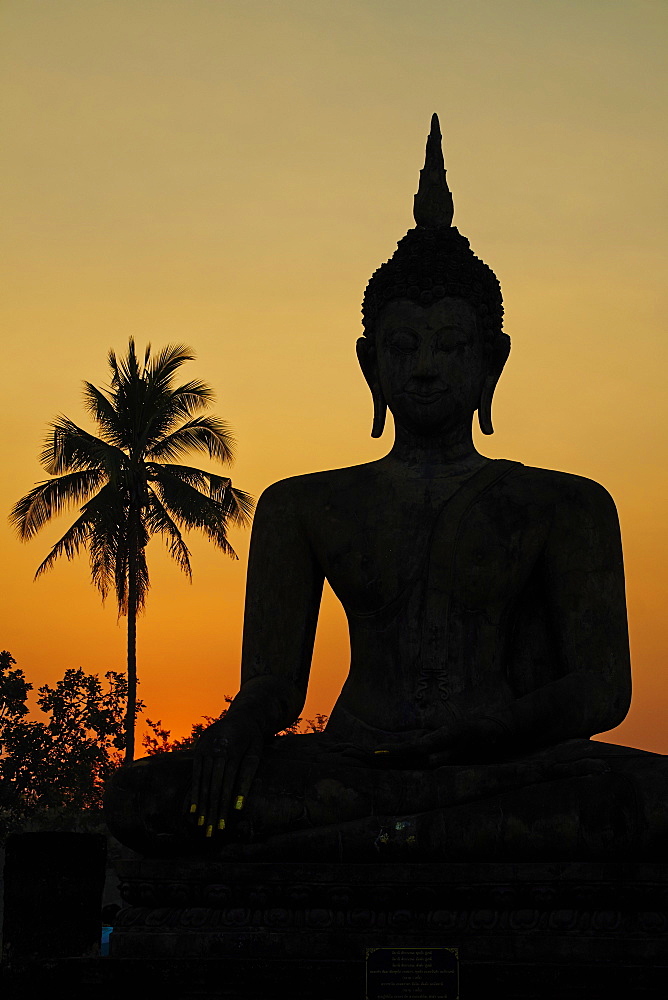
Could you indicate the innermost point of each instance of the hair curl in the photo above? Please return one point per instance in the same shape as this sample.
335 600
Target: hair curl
430 263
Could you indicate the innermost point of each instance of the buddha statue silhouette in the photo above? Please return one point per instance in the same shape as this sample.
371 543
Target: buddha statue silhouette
488 635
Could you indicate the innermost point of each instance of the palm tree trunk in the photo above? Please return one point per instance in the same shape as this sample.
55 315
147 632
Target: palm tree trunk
131 708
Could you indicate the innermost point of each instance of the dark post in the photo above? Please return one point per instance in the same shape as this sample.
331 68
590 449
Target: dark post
53 895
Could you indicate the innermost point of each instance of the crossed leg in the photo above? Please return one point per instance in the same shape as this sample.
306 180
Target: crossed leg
580 800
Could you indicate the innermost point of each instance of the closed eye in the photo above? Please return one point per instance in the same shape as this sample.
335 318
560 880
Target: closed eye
402 340
448 344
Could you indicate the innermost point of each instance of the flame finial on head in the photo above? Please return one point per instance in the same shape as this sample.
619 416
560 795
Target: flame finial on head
433 205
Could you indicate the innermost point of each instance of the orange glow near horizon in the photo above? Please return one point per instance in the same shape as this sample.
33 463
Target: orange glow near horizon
229 175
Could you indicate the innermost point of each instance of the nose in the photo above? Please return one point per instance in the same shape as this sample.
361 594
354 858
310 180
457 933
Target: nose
425 365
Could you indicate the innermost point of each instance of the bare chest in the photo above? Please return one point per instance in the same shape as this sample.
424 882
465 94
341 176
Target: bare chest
482 552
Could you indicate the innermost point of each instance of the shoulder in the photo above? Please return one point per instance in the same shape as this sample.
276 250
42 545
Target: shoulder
559 486
563 494
314 488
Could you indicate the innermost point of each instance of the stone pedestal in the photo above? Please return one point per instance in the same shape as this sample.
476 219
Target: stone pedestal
521 930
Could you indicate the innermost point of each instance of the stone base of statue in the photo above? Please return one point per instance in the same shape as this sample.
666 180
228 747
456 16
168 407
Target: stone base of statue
514 930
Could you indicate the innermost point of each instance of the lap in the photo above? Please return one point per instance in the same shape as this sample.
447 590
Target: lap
311 780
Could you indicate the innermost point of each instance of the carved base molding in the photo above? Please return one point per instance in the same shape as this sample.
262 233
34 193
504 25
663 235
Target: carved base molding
503 915
204 930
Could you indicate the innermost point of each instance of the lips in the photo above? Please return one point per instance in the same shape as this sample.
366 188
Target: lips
425 397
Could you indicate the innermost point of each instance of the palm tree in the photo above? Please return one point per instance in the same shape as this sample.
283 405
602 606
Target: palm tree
130 488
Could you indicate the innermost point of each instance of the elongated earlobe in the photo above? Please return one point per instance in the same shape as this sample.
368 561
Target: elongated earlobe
379 412
366 356
500 352
485 406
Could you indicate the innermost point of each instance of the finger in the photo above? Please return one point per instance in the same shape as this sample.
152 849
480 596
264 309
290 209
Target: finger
225 804
246 774
203 792
218 768
195 787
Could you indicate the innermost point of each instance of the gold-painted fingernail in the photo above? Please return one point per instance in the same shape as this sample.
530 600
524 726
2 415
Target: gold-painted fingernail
221 824
209 831
193 808
200 820
239 804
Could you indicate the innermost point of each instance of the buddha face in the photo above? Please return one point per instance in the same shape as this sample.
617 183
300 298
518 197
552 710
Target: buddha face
431 363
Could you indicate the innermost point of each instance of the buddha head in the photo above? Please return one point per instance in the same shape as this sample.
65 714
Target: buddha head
433 347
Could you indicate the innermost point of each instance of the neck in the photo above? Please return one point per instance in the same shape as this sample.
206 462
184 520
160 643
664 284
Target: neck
446 452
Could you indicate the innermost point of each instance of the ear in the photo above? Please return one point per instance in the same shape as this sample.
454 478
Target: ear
366 355
500 350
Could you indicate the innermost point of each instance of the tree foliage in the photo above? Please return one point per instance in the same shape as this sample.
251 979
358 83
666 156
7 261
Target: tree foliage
13 690
65 760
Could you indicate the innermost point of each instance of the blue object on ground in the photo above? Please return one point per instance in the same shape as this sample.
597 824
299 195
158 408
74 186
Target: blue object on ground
104 941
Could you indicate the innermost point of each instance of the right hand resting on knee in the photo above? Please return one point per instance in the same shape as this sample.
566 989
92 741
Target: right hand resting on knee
226 759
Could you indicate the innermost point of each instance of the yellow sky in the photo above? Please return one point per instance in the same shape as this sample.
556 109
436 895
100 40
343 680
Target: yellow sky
228 173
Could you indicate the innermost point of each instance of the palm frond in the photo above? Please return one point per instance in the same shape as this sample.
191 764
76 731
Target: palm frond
107 514
239 505
186 473
69 545
158 521
126 369
142 582
187 399
112 361
146 404
169 407
128 396
129 561
192 509
69 448
245 507
103 553
166 362
102 410
166 409
206 434
50 498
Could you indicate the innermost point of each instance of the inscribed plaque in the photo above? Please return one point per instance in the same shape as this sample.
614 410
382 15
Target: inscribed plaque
412 974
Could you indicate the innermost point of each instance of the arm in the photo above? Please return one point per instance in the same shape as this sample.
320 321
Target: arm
583 576
283 592
581 579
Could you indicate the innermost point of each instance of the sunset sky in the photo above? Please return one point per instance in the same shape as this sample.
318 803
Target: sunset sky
228 173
